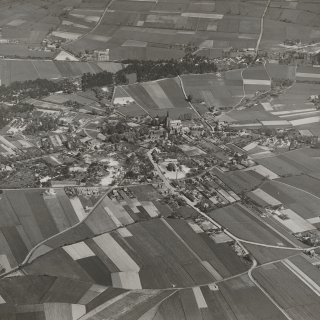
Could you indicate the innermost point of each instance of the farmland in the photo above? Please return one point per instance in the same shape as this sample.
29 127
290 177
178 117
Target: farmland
304 204
140 252
148 31
29 217
300 301
21 70
245 226
213 216
239 181
156 97
303 182
220 92
293 163
228 300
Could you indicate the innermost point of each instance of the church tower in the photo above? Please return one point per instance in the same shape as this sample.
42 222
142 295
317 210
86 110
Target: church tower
167 121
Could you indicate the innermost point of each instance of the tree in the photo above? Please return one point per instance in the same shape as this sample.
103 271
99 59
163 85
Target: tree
189 98
171 167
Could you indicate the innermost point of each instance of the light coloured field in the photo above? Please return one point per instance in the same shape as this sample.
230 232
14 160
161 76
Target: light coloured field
7 143
226 195
92 18
134 43
63 56
151 209
113 217
250 146
206 44
78 251
110 66
202 15
248 36
69 23
212 270
276 123
126 280
262 155
16 22
120 213
280 113
267 106
158 95
295 223
201 302
78 208
300 115
263 171
208 98
306 133
115 252
307 75
266 197
257 82
66 35
97 37
124 232
305 121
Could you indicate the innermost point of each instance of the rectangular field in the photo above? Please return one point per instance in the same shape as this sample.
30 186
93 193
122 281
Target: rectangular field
246 226
299 201
157 95
299 299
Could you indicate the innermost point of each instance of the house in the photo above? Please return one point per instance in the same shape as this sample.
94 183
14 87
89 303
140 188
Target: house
102 55
101 137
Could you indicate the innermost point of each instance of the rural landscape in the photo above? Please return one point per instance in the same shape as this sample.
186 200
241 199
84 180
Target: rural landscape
160 160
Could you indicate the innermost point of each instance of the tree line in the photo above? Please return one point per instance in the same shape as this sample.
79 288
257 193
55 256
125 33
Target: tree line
149 70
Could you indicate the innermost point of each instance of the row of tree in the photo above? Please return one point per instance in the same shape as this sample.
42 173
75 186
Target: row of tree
149 70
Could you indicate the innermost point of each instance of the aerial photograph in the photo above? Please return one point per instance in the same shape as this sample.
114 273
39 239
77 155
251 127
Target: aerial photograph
159 159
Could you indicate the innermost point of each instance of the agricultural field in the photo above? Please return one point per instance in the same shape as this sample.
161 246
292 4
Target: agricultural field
304 204
140 256
224 92
152 30
246 226
29 217
156 98
69 299
268 254
300 300
277 71
113 211
191 151
21 70
304 182
294 108
308 73
239 181
255 79
288 21
292 163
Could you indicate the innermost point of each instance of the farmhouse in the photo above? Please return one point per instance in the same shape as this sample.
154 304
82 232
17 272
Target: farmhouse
102 55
